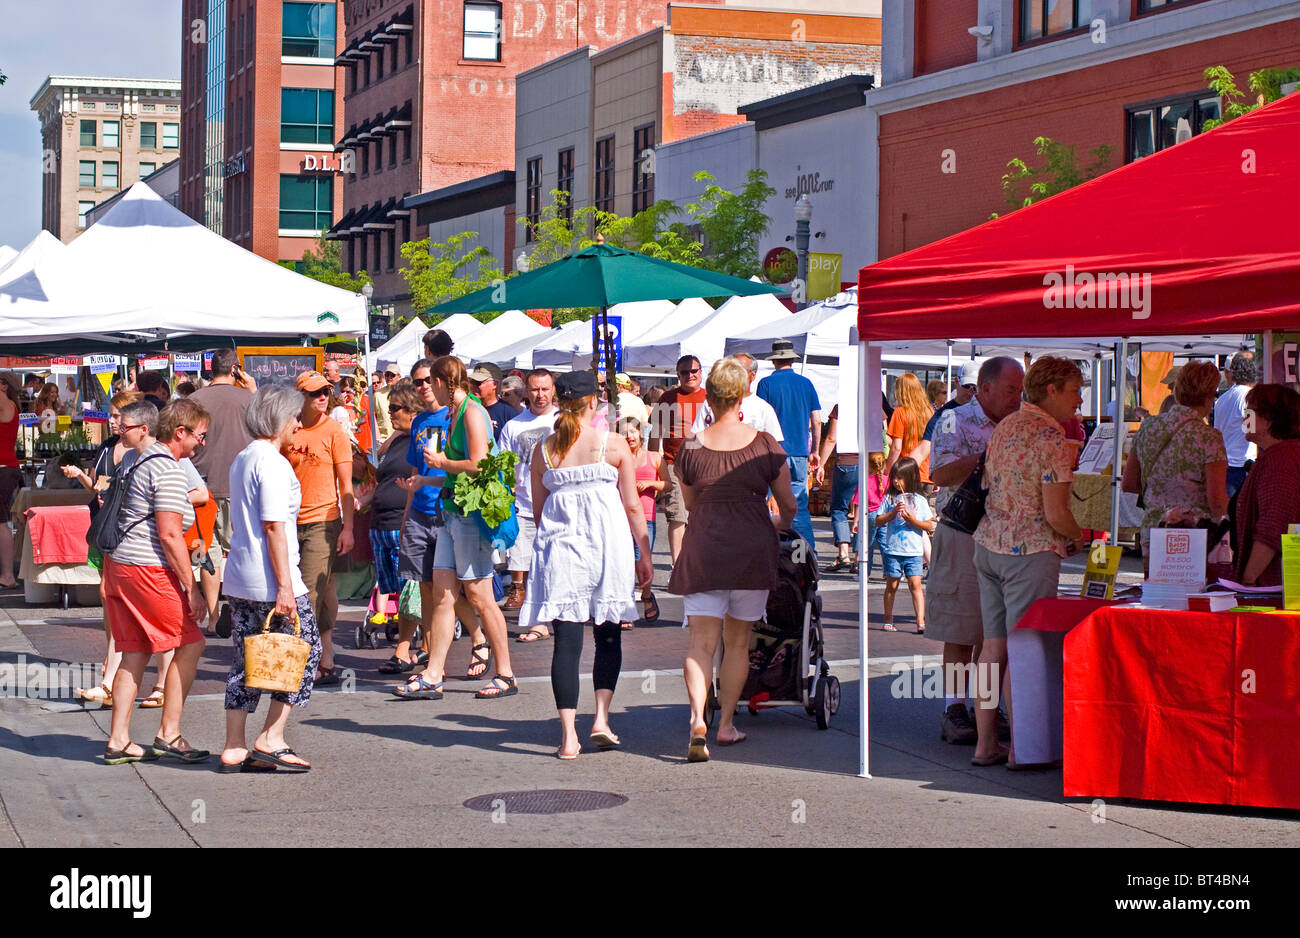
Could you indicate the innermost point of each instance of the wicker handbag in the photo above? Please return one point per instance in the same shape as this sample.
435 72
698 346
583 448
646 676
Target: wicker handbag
275 660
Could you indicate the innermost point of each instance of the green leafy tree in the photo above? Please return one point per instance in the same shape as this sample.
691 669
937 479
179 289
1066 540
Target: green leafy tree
731 222
443 270
1266 84
326 265
1024 185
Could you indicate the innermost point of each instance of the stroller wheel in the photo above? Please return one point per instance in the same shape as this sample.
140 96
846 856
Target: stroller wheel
372 638
833 693
359 637
459 631
822 708
390 632
710 707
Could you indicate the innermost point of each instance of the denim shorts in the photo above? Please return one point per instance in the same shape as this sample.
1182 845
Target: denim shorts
462 548
901 565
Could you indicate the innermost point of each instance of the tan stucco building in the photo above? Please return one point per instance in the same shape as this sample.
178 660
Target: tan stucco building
100 136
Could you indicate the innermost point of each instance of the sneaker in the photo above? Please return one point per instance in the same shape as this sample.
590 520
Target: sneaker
1004 727
514 596
225 622
957 727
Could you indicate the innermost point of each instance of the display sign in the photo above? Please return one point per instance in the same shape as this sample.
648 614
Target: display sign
279 364
190 363
1291 571
155 363
1178 556
101 364
1286 358
1098 453
65 366
615 327
380 328
823 275
28 420
94 416
1103 567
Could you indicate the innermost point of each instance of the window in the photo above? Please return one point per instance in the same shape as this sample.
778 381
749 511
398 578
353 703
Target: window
482 31
409 41
564 179
110 134
1041 18
148 135
306 115
365 159
643 177
533 195
393 62
110 174
365 71
406 144
1146 6
88 133
1157 126
392 247
379 64
82 209
306 202
147 169
605 174
86 174
392 148
172 136
308 30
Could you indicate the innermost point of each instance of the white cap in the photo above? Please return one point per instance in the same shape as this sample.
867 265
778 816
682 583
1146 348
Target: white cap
968 374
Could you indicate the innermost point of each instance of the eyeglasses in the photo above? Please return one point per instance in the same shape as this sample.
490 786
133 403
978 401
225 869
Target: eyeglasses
323 392
969 387
688 371
420 382
131 426
201 437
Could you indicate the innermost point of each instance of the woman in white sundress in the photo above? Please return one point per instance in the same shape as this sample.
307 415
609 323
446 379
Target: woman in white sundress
582 571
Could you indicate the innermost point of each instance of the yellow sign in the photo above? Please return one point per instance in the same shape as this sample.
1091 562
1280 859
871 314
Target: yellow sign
1291 571
823 275
1103 567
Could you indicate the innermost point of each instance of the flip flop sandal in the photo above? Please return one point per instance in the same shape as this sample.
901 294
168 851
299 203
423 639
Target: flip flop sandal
396 665
161 748
328 678
102 695
626 626
889 627
731 742
605 740
566 757
121 756
511 687
276 759
420 690
651 609
476 660
698 751
153 701
531 636
248 765
998 759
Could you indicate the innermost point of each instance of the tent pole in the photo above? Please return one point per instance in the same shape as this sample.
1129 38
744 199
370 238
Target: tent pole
947 386
865 381
1096 388
1117 469
1267 352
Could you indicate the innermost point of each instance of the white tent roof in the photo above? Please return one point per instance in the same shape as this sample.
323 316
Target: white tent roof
519 354
148 269
706 337
510 326
638 319
41 247
407 347
6 255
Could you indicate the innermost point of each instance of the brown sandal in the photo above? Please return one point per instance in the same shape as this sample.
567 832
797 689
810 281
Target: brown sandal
478 661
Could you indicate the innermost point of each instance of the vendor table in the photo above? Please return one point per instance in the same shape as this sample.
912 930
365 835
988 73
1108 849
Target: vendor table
1183 706
42 582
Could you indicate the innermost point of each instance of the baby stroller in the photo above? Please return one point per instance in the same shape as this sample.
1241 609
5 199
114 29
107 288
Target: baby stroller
367 633
787 664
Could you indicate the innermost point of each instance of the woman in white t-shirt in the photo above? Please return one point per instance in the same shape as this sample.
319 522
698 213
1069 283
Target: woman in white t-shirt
262 577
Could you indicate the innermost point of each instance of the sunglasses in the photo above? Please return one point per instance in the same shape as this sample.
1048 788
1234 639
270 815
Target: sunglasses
420 382
687 371
396 409
201 437
323 392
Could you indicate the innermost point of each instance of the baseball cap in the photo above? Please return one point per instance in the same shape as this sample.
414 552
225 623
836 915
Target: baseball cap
574 385
311 381
1170 378
484 371
968 375
624 381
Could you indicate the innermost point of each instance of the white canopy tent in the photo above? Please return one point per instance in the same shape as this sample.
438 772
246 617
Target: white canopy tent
6 255
407 347
43 246
509 327
705 338
520 353
148 271
638 318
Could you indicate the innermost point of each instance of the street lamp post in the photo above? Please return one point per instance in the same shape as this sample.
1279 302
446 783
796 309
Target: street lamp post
802 229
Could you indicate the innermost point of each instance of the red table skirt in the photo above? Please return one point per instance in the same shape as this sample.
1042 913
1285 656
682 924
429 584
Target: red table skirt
1183 706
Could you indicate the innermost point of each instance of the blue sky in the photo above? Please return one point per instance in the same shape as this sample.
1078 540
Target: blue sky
122 39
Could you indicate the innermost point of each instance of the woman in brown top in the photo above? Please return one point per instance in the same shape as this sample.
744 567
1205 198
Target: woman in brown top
728 560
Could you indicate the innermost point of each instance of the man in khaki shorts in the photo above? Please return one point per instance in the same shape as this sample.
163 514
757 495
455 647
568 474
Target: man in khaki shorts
671 428
960 438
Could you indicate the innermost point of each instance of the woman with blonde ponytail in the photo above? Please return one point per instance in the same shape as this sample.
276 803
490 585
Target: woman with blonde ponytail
907 425
582 571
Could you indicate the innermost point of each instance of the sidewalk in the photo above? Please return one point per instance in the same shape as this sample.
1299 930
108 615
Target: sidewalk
390 772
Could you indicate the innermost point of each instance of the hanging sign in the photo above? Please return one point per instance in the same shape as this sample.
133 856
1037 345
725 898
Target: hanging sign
101 364
94 416
155 363
65 366
615 328
28 420
186 362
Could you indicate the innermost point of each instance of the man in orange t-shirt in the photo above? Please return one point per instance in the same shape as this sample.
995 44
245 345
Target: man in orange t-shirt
321 456
671 422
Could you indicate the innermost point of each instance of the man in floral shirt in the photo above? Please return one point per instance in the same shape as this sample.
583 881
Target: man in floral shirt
961 435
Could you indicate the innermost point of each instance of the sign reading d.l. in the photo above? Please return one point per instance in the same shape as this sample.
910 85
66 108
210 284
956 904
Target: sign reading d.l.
616 339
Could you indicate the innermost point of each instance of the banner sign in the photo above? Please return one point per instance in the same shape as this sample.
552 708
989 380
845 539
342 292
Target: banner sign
94 416
207 362
28 420
186 362
823 275
616 337
101 364
65 366
1178 556
155 363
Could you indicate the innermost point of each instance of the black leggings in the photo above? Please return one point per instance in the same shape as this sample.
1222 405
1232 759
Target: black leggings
568 650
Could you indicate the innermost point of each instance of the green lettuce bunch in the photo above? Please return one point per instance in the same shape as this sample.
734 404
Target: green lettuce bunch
490 491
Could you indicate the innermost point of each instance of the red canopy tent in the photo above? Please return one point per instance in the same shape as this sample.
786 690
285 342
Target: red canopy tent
1198 238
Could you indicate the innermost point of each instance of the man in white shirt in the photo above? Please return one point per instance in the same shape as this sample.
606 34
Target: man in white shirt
1229 410
520 435
754 411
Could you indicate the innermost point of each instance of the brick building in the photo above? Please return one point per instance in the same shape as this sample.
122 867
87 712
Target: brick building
957 105
262 103
100 136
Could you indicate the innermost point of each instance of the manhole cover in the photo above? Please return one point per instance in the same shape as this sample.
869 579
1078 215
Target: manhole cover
546 801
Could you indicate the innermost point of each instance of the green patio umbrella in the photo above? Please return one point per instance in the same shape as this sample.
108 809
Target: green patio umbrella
601 276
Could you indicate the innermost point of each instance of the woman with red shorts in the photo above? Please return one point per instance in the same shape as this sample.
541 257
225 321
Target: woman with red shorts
149 586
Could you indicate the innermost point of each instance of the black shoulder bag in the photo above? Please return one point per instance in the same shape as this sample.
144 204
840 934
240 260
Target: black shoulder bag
965 508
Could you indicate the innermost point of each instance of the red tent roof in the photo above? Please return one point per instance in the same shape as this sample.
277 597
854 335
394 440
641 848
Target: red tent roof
1205 232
